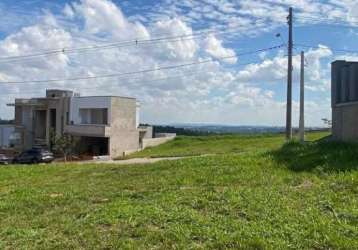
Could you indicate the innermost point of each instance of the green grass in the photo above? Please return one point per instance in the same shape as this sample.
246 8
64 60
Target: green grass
259 199
220 144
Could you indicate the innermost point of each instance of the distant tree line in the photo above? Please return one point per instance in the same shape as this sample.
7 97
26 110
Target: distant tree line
178 131
6 122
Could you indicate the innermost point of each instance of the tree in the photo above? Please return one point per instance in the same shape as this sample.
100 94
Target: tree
62 144
327 122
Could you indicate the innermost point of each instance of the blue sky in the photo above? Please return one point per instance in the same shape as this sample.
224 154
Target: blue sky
224 91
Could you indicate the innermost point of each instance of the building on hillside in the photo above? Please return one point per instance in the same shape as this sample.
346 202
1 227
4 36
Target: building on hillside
103 125
344 90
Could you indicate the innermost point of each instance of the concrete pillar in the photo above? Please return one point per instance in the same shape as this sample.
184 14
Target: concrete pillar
48 126
344 84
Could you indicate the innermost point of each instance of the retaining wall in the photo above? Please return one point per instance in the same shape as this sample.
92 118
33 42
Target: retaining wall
156 141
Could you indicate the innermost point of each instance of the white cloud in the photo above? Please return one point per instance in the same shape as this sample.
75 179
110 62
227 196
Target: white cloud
105 18
275 69
181 49
214 47
68 11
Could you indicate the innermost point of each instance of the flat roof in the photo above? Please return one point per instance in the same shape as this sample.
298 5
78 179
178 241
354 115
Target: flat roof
344 61
63 90
110 96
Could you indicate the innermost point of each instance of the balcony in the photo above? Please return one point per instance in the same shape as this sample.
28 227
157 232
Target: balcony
91 130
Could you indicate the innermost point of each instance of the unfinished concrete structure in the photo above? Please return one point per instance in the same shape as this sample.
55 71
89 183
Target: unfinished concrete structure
104 125
344 87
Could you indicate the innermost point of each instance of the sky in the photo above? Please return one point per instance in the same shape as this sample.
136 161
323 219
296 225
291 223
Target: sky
229 78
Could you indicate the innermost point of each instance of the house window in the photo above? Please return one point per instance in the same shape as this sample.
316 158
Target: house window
94 116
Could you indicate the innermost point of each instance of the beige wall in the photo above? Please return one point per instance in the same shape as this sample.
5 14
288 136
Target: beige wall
124 135
123 141
123 113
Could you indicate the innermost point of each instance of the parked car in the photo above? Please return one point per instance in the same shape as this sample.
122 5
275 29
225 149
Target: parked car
4 160
33 156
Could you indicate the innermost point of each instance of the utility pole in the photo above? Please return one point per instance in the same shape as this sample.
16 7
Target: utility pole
302 99
289 79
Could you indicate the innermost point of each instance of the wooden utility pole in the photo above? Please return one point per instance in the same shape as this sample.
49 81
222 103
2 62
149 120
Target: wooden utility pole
289 78
302 99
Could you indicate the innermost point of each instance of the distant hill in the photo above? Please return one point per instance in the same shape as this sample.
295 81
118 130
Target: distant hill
203 129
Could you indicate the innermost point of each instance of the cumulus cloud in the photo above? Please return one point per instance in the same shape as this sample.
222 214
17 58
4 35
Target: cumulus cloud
275 69
181 49
214 47
106 19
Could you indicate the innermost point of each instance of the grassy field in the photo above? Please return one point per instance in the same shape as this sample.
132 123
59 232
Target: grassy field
221 144
270 196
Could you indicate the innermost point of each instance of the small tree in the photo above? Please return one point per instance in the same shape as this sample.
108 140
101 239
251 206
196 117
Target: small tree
63 144
328 123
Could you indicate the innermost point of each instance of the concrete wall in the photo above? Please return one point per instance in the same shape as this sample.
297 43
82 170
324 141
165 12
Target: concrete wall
123 142
18 115
344 87
124 135
88 130
138 114
27 123
146 132
160 135
5 132
40 119
345 122
18 122
30 125
62 106
155 141
90 102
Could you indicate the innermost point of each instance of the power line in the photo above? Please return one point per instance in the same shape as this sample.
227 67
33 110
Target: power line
125 43
143 71
32 57
118 78
138 79
327 48
104 46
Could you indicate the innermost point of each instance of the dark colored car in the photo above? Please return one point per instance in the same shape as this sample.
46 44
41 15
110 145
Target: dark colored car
4 160
33 156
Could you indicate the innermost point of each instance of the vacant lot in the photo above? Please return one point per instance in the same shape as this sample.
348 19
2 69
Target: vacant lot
288 196
220 144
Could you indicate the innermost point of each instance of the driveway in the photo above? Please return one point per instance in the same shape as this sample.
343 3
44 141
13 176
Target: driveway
132 161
